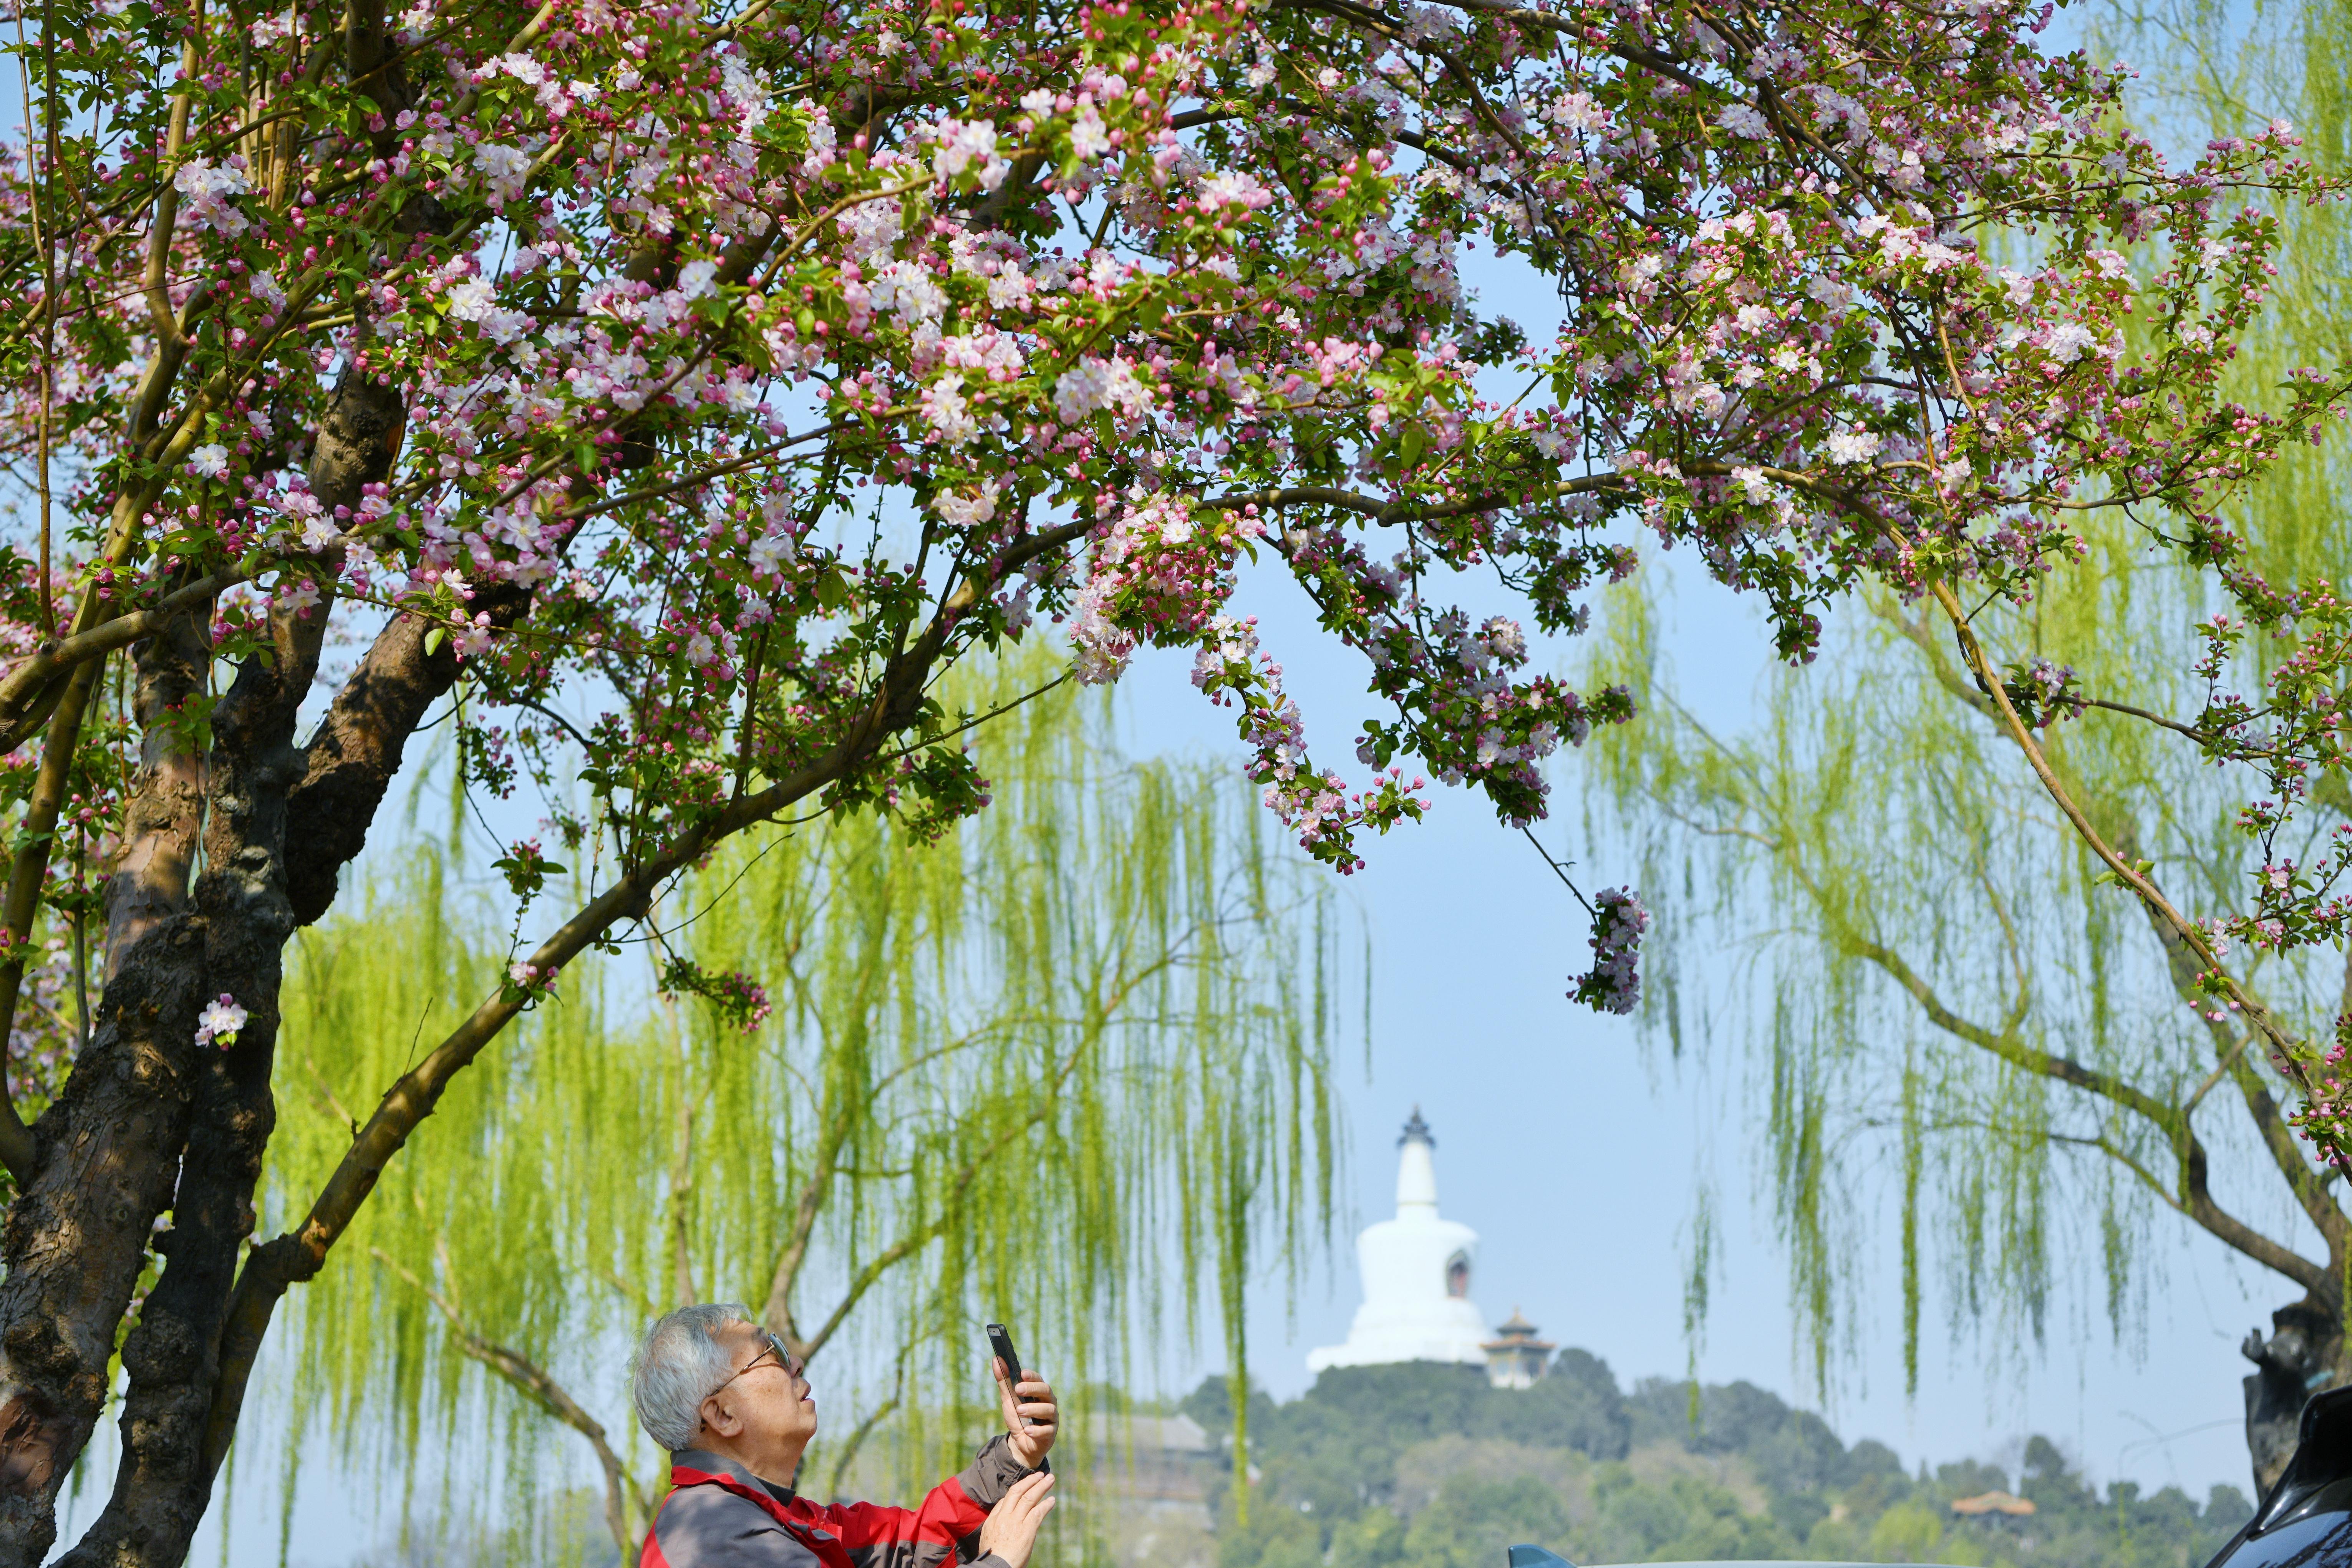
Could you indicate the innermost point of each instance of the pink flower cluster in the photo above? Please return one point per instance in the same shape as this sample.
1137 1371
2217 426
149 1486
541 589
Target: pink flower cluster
1613 984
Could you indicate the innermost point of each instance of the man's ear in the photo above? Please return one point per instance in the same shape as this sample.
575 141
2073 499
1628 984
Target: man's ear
718 1416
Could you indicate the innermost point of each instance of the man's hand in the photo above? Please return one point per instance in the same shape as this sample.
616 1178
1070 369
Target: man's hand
1028 1420
1011 1531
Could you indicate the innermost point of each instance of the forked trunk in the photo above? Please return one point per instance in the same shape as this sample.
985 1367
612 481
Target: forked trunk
150 1120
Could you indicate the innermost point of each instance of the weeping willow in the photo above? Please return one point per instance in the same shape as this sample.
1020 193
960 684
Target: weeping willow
1064 1067
1970 1053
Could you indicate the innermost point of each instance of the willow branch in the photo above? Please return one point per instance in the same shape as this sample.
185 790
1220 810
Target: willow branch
906 1245
2279 1140
2005 1044
2191 1195
873 1419
540 1388
2191 935
276 1266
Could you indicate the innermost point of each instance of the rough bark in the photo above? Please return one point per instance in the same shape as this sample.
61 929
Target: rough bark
163 816
172 1355
75 1242
2306 1352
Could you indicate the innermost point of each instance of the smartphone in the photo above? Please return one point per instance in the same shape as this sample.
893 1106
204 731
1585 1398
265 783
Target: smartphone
1000 1341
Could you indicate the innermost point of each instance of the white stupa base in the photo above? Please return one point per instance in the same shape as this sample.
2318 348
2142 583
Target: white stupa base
1382 1349
1416 1275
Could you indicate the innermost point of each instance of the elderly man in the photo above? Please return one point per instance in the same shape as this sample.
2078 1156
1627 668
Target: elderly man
729 1403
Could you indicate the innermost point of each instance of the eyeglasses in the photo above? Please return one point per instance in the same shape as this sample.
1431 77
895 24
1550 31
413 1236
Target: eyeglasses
792 1364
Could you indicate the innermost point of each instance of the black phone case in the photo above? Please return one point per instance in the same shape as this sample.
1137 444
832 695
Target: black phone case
1001 1342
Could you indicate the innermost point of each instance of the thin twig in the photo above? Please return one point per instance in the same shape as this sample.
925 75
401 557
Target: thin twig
1559 871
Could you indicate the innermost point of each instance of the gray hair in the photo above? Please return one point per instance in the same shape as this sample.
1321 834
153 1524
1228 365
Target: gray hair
678 1367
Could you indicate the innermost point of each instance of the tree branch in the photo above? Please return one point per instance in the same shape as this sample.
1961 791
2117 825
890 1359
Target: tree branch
33 838
1388 513
2308 1185
2190 934
32 683
275 1266
624 1503
2193 1195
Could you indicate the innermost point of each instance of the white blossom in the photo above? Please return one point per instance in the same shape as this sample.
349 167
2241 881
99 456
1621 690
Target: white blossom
908 289
1853 446
220 1021
205 188
964 511
1092 383
505 169
1745 120
1834 292
945 406
2067 341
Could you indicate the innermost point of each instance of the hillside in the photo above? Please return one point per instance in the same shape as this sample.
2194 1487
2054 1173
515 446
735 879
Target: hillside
1426 1465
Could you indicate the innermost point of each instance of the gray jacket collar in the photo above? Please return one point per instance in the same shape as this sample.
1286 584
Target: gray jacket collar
703 1459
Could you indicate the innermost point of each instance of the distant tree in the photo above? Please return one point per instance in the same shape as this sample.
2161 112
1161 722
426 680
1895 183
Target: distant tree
1718 1489
1576 1405
2035 912
1471 1519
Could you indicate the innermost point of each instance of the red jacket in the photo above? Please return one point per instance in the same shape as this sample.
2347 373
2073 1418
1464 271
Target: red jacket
720 1515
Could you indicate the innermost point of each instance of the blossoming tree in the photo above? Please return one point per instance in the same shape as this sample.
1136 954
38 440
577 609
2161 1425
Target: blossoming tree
673 393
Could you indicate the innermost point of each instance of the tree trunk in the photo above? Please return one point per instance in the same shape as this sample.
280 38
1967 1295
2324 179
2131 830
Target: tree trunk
173 1355
75 1243
149 1120
2306 1353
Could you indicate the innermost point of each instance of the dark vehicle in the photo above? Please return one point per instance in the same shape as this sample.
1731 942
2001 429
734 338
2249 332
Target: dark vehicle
1537 1557
2307 1520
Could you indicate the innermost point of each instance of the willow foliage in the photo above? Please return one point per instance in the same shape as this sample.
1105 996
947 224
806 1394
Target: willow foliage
1065 1067
1970 1051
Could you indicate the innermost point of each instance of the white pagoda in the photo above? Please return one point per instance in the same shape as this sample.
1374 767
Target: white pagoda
1416 1274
